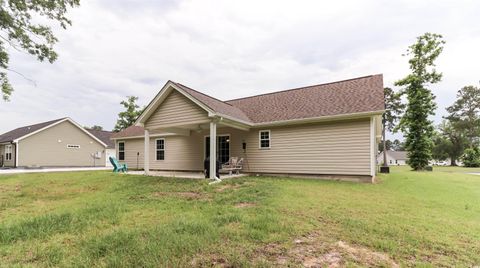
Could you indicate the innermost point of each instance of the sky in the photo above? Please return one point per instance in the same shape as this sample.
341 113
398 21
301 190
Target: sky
231 49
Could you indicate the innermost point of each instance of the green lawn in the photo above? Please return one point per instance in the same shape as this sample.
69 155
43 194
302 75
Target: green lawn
101 219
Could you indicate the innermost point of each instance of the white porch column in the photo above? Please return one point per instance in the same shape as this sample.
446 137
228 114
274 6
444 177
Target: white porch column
146 155
213 150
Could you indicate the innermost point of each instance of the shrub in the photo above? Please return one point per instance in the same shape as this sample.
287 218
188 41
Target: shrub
471 157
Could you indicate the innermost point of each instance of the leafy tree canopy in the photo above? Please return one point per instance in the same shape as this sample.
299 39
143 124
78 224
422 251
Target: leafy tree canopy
20 31
449 142
465 113
128 117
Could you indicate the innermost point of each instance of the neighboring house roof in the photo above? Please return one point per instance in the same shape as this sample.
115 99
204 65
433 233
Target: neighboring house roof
362 95
398 155
23 131
104 136
132 131
26 131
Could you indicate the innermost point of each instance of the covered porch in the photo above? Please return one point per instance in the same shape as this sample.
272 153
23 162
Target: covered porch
180 151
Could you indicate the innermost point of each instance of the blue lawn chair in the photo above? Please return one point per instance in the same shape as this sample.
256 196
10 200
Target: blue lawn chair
117 167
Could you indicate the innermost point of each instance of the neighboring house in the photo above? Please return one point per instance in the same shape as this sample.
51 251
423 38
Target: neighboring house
398 158
329 129
57 143
105 137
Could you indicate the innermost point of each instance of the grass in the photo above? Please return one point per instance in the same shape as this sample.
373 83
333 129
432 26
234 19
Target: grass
86 219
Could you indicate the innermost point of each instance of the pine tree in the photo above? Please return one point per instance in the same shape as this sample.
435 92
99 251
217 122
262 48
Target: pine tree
415 123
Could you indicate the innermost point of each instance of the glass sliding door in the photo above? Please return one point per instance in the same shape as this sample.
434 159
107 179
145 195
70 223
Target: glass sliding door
223 148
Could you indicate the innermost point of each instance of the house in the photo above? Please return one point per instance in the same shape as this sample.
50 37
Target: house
57 143
329 130
398 158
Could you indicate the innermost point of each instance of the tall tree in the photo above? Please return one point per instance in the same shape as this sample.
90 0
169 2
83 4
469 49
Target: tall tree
393 109
464 114
21 31
449 142
129 116
415 123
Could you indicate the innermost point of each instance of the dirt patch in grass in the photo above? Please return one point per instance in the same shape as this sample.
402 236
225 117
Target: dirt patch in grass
225 187
186 195
245 205
313 250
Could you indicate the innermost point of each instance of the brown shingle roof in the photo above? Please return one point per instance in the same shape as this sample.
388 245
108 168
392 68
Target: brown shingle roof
398 155
104 136
363 94
23 131
129 132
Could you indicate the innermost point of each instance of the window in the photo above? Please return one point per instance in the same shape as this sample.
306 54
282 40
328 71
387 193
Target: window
160 149
8 152
264 136
73 146
121 151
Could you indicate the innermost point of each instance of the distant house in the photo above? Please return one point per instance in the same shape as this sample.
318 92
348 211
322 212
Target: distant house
329 129
57 143
393 158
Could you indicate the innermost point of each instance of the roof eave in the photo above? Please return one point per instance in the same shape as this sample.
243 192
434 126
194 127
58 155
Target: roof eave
320 119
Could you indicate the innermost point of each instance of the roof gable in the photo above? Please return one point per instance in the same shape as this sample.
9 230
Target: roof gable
27 131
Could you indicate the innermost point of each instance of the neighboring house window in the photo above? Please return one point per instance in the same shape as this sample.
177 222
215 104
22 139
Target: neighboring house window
73 146
8 152
264 136
391 161
160 149
396 161
121 151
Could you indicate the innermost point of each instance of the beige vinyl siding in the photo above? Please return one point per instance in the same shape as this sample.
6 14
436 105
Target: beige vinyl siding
341 148
335 148
44 148
176 110
9 163
181 152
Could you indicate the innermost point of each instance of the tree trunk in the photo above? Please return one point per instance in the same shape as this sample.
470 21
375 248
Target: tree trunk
453 162
384 147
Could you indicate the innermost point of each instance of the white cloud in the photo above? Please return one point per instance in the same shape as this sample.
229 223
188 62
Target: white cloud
231 49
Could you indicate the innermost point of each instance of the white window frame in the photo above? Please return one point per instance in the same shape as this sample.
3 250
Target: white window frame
260 139
121 151
73 146
8 152
156 149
